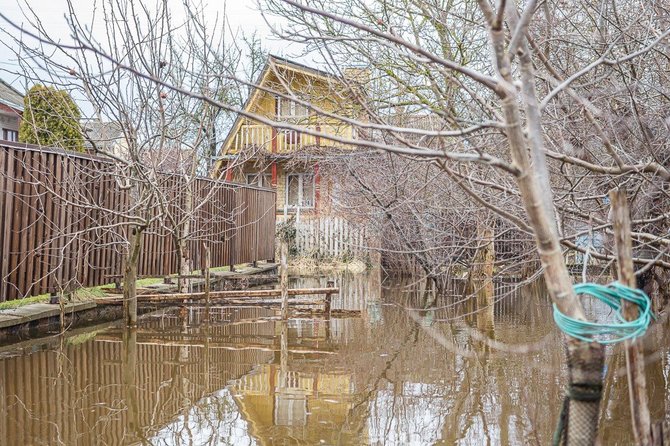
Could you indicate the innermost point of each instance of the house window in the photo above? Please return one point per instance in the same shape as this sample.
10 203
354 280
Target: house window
288 108
10 135
300 190
259 179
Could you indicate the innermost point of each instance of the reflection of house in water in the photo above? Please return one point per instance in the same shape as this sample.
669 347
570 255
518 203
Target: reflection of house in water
286 395
308 406
299 398
240 377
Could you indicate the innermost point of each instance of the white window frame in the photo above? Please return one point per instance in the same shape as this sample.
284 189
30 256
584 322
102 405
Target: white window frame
7 132
301 182
256 179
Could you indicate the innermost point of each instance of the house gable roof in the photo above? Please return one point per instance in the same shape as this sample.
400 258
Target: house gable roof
298 67
273 62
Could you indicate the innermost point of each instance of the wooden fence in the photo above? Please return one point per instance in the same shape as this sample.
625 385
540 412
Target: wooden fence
330 236
65 221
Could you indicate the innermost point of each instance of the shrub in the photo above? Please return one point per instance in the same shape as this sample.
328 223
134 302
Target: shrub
51 118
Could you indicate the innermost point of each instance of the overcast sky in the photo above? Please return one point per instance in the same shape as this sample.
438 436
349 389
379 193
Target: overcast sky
242 14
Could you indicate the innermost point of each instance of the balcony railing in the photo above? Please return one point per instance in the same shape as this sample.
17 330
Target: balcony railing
266 138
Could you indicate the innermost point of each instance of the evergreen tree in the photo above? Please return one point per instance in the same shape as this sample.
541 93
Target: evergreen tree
51 118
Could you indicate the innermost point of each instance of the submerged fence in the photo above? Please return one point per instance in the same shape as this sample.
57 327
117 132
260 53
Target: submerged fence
66 220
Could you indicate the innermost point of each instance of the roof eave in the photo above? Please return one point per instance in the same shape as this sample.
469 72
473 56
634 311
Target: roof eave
17 107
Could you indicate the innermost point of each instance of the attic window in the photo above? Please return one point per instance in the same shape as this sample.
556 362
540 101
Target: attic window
288 108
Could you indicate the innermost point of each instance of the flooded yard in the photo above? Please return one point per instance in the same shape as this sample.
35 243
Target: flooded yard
397 375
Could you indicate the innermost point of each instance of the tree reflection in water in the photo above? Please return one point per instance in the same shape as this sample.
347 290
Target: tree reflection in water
414 368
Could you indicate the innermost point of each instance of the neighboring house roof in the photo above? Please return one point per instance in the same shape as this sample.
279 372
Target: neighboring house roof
105 135
170 159
10 96
418 120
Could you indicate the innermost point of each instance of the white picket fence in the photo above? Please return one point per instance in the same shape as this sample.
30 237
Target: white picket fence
330 236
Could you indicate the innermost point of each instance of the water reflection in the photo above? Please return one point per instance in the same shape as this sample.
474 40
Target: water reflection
407 371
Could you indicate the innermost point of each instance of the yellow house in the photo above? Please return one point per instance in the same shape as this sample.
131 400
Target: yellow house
308 107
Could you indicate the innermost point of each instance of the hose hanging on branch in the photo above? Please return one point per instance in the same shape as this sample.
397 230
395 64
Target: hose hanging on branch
604 333
613 332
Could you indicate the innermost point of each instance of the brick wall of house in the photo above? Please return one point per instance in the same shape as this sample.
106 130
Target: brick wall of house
282 173
9 119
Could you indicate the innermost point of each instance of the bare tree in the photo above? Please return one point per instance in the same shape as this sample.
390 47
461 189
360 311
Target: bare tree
539 98
548 106
167 138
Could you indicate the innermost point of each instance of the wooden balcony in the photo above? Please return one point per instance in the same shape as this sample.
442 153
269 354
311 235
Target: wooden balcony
263 137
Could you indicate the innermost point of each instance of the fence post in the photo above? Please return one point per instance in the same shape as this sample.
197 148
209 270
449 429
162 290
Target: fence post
329 297
207 284
637 385
283 274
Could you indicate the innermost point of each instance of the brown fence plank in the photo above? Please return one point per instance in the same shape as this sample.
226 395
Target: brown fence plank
8 173
30 228
14 253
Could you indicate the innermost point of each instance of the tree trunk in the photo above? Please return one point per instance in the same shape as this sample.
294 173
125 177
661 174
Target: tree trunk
130 277
585 360
185 264
185 258
484 260
637 384
483 278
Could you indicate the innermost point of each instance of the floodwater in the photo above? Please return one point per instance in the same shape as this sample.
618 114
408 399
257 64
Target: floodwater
391 376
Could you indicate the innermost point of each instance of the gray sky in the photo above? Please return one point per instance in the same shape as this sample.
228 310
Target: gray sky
242 14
